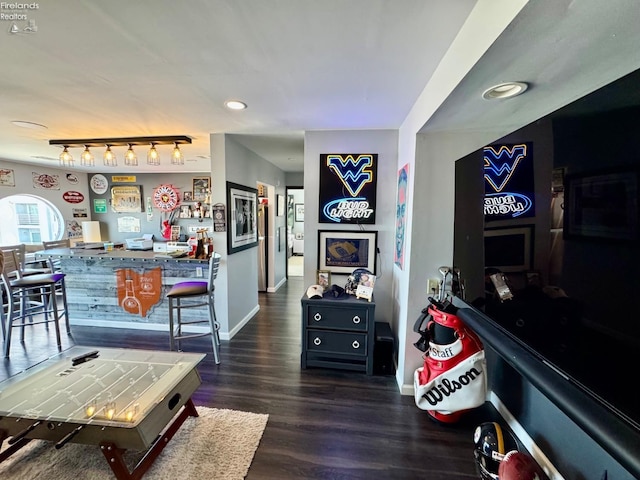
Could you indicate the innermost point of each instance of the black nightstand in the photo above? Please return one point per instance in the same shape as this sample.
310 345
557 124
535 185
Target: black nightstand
338 333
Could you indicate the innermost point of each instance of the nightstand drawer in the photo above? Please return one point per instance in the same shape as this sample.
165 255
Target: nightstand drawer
337 318
337 342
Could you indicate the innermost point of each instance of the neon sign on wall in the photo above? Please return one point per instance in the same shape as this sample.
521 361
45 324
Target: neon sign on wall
348 188
509 186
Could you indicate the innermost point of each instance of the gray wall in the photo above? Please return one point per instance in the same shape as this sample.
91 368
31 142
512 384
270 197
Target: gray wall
385 144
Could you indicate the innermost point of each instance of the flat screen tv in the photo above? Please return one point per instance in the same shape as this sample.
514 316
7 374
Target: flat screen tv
582 318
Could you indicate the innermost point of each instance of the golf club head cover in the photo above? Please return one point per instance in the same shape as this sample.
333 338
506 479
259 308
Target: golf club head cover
452 378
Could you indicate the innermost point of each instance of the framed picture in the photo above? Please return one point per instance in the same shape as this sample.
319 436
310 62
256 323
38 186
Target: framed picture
602 205
342 251
509 249
365 286
201 189
280 205
299 212
187 196
242 214
323 278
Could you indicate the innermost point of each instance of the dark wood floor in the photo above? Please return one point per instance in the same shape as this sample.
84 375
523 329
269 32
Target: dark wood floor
323 424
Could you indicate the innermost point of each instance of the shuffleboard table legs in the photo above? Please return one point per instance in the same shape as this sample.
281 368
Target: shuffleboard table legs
114 454
13 448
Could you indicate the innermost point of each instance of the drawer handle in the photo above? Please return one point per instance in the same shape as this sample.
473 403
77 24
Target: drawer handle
356 319
317 341
317 317
355 344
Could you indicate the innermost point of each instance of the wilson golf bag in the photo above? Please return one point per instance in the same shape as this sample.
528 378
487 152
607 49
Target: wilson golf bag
453 377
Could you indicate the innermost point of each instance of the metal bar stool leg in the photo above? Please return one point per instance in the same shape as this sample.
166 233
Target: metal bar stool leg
214 337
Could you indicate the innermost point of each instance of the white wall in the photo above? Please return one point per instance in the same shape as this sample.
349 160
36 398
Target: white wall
237 288
385 144
23 174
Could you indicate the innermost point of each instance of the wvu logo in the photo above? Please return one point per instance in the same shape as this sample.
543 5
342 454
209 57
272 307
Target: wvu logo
499 166
354 173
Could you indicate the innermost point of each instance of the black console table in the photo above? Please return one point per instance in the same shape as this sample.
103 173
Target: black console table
338 333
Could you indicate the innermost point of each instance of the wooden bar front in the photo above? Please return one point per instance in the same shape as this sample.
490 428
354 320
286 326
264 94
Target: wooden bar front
123 286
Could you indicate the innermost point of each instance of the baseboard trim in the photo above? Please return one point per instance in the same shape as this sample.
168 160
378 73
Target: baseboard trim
524 438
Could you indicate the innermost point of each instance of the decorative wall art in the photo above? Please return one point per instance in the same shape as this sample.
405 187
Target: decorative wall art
201 189
7 177
242 217
299 212
344 251
401 213
348 183
126 198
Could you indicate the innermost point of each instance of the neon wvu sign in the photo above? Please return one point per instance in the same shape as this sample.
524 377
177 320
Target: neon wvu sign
347 188
508 166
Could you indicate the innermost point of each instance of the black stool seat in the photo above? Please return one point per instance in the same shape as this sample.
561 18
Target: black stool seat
194 294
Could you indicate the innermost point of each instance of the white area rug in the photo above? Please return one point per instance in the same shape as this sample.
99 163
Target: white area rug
219 444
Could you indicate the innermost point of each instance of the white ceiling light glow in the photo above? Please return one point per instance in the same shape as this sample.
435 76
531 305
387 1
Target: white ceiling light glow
505 90
235 105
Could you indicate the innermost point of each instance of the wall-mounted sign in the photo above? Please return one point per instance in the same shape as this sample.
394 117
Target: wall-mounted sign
219 218
138 292
73 197
45 181
509 187
79 213
99 205
123 178
98 184
72 178
348 188
165 198
126 198
7 178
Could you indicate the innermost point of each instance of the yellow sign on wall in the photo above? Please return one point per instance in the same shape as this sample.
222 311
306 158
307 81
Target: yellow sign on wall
123 179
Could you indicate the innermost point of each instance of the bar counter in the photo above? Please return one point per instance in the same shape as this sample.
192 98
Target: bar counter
123 288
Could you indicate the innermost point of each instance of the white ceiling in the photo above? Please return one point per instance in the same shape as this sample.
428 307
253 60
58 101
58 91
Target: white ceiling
123 68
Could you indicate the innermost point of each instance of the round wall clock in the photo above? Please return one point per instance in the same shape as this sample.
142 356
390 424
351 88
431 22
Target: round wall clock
165 198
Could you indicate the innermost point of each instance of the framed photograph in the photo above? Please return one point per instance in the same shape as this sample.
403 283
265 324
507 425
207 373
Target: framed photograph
280 205
323 278
242 216
201 189
509 249
342 251
602 205
187 196
365 286
299 212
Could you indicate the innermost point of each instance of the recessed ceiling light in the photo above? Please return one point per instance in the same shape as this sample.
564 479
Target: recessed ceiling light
235 105
504 90
32 125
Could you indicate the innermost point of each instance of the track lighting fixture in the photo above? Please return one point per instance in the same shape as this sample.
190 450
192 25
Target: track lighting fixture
87 158
66 159
130 157
109 158
176 156
153 157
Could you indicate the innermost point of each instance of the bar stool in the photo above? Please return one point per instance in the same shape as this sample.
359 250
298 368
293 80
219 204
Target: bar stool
19 291
193 294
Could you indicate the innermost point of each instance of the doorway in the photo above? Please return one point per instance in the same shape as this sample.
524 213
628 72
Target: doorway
295 231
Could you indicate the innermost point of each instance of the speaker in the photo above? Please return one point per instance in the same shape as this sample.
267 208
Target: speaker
383 350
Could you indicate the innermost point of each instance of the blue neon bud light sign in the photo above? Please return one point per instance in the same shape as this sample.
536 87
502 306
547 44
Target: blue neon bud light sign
509 187
348 188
